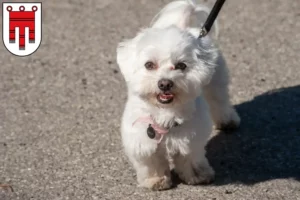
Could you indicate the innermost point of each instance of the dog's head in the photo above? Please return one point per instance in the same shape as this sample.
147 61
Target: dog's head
165 64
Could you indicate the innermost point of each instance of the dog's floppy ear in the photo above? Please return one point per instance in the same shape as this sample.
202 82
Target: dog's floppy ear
207 56
126 56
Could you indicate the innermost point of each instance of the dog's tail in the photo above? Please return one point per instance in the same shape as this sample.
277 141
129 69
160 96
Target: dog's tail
181 14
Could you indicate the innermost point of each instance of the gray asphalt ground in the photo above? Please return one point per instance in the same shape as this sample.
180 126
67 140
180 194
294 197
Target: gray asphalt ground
60 108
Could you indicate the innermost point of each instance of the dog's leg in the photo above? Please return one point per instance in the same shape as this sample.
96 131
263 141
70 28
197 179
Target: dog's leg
194 168
153 172
217 96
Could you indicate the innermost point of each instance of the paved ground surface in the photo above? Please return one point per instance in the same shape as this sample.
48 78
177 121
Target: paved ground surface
60 108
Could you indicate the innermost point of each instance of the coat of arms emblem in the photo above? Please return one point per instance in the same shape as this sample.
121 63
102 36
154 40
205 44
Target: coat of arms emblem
22 27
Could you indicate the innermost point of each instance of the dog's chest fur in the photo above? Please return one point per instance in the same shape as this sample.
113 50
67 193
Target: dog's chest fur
168 118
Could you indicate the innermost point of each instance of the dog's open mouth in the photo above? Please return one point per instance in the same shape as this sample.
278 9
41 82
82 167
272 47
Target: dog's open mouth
165 97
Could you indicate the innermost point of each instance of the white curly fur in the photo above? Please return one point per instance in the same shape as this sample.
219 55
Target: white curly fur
171 39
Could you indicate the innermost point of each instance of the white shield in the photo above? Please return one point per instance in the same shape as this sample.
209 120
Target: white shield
22 27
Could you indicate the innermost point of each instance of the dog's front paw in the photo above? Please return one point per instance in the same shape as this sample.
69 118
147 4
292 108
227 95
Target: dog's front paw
157 183
199 175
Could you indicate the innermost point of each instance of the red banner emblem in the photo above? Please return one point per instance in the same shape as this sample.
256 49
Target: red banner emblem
22 27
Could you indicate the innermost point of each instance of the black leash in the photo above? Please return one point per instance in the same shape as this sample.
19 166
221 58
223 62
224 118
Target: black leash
211 18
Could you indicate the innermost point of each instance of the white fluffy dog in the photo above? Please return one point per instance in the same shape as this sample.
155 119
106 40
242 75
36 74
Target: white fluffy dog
170 75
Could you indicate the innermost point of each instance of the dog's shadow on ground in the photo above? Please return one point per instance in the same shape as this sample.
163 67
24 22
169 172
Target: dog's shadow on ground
266 146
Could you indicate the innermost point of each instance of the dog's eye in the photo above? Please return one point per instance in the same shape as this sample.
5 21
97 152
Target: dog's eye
180 66
149 65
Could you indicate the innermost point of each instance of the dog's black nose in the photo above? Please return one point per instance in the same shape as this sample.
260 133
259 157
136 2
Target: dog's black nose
165 84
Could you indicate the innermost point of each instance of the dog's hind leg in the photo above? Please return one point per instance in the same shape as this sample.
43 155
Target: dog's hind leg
217 96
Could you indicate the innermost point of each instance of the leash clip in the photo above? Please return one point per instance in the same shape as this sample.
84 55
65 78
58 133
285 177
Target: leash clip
203 32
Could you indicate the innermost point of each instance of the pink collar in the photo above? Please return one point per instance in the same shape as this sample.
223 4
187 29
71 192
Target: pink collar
158 129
